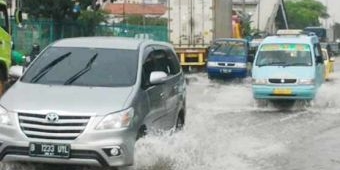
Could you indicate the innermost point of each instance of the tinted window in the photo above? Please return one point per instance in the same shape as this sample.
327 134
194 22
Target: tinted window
229 48
84 67
175 67
284 55
3 18
157 60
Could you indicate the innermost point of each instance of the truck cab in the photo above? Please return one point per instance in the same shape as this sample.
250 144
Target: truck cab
288 67
227 58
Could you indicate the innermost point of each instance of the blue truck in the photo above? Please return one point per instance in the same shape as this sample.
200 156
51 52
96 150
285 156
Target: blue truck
228 58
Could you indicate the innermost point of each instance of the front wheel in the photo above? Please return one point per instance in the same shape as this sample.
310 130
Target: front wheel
179 124
261 103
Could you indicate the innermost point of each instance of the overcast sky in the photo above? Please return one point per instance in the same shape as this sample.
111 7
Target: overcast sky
333 11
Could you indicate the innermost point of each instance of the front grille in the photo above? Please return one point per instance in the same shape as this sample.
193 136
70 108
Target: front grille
282 81
66 128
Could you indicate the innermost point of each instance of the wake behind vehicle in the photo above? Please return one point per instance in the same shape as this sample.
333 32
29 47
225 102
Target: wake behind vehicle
228 58
87 100
288 67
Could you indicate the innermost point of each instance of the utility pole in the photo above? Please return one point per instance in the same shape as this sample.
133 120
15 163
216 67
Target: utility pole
326 25
144 16
223 19
244 7
124 18
258 14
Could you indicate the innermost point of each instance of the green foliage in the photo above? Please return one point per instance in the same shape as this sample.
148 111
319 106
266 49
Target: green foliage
246 25
303 13
90 19
138 20
54 9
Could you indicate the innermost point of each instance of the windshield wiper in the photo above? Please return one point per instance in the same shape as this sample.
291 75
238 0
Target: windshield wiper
48 67
298 64
82 71
280 63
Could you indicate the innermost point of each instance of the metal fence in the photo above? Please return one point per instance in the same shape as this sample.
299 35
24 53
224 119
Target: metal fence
44 32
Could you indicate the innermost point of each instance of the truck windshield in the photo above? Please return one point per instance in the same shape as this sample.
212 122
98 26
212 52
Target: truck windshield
84 67
284 55
4 17
229 48
321 33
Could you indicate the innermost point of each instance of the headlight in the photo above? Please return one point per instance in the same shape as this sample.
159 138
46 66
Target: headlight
116 120
211 64
306 81
241 65
259 81
4 117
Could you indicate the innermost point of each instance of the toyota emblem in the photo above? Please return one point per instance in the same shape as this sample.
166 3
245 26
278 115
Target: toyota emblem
52 117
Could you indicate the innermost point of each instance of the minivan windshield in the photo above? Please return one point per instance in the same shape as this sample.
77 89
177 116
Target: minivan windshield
229 48
84 67
284 55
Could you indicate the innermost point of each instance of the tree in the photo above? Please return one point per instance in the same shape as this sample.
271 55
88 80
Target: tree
56 10
61 11
90 19
303 13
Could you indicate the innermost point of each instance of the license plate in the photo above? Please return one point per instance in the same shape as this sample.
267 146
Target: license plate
49 150
281 91
225 70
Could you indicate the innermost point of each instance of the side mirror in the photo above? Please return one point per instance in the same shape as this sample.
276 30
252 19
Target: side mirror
16 71
332 59
158 77
319 60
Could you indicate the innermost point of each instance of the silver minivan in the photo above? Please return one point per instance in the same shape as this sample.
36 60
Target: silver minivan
86 101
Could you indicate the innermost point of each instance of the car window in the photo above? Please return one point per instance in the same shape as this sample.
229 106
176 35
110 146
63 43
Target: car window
157 60
174 64
324 55
84 67
229 48
317 50
284 55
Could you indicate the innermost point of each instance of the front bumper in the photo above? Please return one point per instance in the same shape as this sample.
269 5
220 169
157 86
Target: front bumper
303 92
227 72
87 149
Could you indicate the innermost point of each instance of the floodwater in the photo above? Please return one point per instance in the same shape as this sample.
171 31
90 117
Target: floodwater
225 129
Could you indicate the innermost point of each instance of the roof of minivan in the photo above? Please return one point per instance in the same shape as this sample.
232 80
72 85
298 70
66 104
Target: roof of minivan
101 42
230 39
301 39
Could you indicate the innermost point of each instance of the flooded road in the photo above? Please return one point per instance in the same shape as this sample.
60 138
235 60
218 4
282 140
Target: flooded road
226 130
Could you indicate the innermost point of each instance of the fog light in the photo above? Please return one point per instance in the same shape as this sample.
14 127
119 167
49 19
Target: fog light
115 151
112 151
